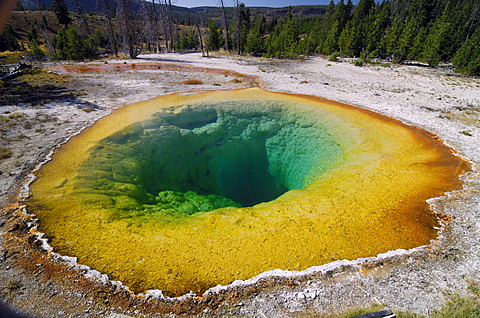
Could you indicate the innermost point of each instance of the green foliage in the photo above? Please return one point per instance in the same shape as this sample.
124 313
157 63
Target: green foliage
32 34
241 28
437 40
285 39
458 307
70 46
35 51
399 30
435 32
186 41
255 43
61 11
8 41
359 62
333 57
215 37
467 58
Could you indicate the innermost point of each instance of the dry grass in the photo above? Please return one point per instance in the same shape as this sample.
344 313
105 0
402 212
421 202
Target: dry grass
5 153
192 82
10 57
35 86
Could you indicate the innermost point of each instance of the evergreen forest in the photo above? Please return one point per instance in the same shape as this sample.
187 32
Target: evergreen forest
426 31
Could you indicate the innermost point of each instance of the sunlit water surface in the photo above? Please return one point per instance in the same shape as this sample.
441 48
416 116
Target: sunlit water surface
185 192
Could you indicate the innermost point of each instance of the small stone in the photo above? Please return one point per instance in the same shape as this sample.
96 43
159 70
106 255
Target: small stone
311 294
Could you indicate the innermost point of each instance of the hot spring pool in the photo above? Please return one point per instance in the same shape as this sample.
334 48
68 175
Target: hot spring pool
185 192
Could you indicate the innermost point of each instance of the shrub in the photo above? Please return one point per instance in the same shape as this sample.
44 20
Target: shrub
359 62
333 57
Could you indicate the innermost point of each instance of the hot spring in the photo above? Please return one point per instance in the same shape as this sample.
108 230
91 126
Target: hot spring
185 192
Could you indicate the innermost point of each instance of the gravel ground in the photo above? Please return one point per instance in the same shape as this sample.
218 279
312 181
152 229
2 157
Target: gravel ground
46 285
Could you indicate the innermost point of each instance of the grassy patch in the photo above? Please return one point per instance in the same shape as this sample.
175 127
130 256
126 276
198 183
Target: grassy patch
13 284
467 115
5 153
346 314
474 287
34 86
39 77
10 57
459 307
360 311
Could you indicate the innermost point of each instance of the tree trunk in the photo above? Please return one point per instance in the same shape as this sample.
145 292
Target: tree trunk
238 26
225 22
111 31
201 40
170 24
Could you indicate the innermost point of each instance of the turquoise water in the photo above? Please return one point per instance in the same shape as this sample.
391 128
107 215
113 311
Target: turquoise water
199 158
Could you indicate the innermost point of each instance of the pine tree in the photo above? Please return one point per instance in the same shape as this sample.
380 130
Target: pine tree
241 27
375 43
35 51
8 42
391 40
467 58
255 43
283 43
438 39
61 11
215 40
346 40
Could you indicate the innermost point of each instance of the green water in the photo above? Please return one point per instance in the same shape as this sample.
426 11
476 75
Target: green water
199 158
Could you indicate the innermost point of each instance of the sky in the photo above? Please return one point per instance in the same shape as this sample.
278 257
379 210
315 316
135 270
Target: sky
250 3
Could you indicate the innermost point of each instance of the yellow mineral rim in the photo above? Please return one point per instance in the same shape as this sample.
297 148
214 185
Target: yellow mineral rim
185 192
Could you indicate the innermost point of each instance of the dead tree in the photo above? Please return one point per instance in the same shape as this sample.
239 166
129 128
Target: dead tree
170 23
225 23
48 41
111 32
166 24
200 38
155 21
238 26
126 19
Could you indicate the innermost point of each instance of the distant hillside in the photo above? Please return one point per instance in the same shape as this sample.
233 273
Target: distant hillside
183 14
215 12
85 5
